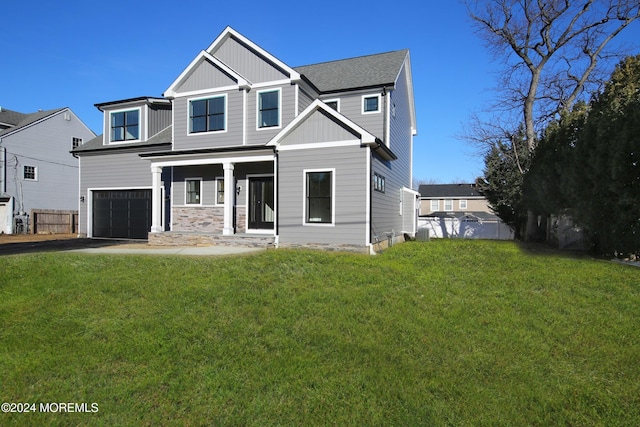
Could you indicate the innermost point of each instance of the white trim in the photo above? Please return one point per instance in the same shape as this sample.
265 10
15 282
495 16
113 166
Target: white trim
336 100
200 196
125 141
198 160
202 93
466 204
379 110
279 90
202 56
311 145
366 137
282 82
368 200
333 198
35 173
244 117
209 132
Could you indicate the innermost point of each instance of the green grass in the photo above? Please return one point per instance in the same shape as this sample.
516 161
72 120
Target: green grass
461 333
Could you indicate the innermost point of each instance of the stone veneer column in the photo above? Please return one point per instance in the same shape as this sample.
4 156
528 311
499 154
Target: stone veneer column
229 198
156 200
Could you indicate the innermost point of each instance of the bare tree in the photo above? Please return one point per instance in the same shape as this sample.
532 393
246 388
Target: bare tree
552 51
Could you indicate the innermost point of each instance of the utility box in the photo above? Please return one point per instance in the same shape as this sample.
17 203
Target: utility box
422 235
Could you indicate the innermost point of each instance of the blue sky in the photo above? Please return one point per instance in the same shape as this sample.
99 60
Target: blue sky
79 53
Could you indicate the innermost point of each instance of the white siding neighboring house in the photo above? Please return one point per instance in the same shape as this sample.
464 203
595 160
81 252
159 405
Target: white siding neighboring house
243 148
459 210
37 169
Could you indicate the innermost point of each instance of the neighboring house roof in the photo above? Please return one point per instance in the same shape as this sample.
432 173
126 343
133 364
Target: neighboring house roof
355 73
97 143
449 191
26 119
10 118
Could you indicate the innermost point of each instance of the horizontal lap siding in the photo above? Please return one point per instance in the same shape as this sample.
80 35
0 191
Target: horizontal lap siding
386 216
287 104
122 170
208 174
351 107
233 135
350 164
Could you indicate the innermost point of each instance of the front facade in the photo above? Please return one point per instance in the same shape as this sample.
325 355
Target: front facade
244 146
37 169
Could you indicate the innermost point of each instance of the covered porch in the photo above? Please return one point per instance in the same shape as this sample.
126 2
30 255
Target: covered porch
218 196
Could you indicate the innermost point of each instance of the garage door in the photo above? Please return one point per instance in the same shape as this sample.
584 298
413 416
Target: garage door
122 214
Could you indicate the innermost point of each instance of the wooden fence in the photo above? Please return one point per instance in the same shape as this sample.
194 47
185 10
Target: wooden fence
45 221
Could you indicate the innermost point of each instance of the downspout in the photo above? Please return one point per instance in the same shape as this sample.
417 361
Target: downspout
276 196
3 165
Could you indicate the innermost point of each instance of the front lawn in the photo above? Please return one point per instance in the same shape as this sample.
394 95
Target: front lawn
446 332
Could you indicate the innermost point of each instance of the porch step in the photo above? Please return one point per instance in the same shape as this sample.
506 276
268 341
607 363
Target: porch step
183 238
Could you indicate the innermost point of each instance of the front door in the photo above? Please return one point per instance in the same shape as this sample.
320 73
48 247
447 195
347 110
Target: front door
261 203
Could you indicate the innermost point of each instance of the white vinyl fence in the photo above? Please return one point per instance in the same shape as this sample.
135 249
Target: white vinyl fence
466 228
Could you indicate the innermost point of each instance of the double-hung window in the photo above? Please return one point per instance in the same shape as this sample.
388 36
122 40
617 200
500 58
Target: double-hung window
192 191
207 115
268 109
319 197
125 125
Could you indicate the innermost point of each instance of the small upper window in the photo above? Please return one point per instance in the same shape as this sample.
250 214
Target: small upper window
268 109
463 204
75 142
371 104
207 115
30 173
378 183
448 205
125 126
333 103
435 205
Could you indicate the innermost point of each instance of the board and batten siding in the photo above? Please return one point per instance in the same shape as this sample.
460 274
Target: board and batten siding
120 169
183 140
205 76
350 165
252 66
318 127
159 118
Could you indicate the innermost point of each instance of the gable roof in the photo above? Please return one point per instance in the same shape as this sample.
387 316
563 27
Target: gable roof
366 138
25 120
449 190
355 73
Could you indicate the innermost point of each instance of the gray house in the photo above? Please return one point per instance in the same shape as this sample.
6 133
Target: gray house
245 148
37 169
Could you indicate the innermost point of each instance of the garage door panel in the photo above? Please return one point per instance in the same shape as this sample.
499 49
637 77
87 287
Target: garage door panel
122 213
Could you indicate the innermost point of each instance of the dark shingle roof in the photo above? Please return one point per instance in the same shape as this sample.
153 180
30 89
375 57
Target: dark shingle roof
96 144
449 190
25 119
355 73
10 117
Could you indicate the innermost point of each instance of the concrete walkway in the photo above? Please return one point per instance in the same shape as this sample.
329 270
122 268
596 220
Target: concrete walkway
171 250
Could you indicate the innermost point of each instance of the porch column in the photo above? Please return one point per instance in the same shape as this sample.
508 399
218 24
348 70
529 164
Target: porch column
229 198
156 200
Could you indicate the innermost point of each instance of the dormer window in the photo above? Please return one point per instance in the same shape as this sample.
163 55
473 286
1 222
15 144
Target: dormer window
125 126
